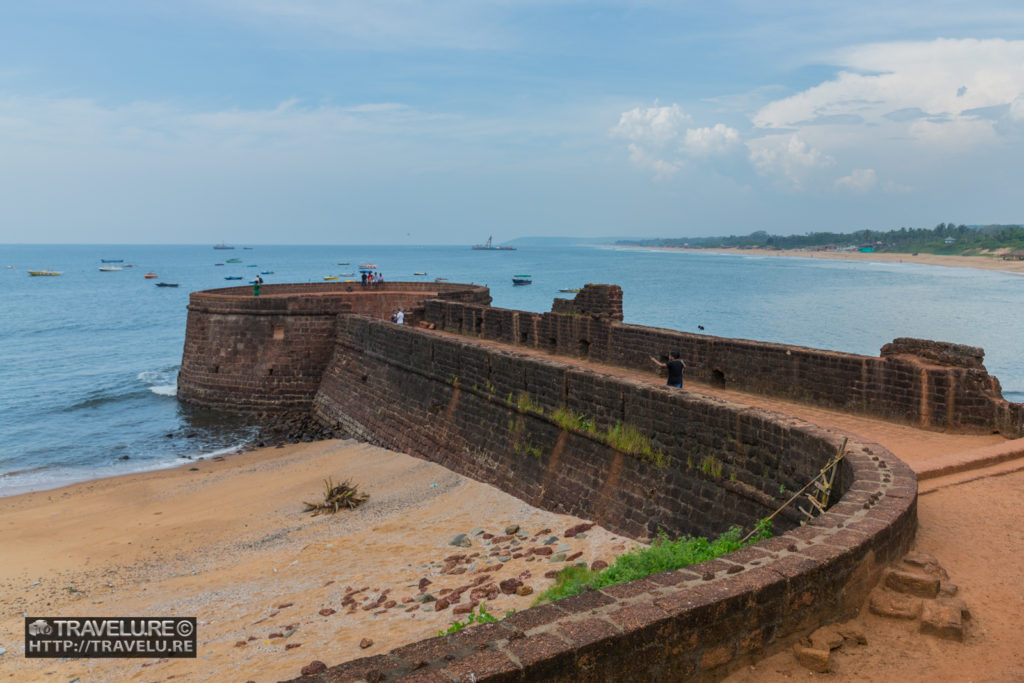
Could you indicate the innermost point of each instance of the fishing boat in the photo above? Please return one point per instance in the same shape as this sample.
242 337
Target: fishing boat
167 284
233 277
218 264
346 274
150 276
331 277
570 291
129 265
266 272
110 269
250 248
522 279
489 246
222 246
440 279
234 260
367 266
111 260
420 272
343 263
50 273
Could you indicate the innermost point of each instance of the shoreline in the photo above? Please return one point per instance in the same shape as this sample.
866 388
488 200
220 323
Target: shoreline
948 261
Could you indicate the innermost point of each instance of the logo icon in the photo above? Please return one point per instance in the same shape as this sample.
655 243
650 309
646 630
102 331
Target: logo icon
40 627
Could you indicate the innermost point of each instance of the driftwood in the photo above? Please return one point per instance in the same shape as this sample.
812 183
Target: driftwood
337 496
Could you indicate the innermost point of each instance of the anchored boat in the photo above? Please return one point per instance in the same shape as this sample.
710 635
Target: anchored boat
522 279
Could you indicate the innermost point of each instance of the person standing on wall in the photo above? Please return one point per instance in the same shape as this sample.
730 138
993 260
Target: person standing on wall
256 285
675 369
400 317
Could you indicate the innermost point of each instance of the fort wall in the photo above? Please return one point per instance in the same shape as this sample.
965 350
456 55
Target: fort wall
540 428
503 417
269 352
933 385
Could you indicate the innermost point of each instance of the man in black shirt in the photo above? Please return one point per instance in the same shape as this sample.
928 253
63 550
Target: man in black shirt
675 369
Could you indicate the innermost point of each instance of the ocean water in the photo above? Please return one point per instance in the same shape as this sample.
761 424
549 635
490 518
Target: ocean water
89 359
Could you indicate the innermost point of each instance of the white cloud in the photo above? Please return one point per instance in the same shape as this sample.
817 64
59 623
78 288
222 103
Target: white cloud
651 126
928 92
860 180
718 139
788 157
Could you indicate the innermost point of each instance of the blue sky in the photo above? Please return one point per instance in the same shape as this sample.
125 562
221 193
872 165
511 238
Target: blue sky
443 122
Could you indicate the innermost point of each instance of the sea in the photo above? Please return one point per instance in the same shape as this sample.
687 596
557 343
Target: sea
89 359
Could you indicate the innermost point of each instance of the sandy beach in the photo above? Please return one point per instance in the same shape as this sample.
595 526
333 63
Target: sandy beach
979 262
226 541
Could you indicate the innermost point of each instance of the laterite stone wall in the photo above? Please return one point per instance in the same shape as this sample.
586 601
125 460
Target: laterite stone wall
269 352
491 414
935 385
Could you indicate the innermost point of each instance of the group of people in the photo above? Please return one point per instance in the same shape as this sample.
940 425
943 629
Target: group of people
398 317
371 279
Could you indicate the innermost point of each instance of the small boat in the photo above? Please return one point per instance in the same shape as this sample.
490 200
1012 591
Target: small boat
420 272
266 272
346 274
50 273
252 265
129 265
570 291
343 263
222 246
367 266
110 269
330 277
249 248
167 284
150 276
440 279
522 279
111 260
10 267
218 264
233 277
234 260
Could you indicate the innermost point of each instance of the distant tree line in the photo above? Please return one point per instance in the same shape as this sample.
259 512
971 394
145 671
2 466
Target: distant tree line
944 238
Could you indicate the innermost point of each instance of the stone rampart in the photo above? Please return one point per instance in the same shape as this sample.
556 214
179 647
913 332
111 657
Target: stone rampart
269 352
934 385
538 429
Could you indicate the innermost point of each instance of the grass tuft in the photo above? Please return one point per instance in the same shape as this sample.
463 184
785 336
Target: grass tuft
663 555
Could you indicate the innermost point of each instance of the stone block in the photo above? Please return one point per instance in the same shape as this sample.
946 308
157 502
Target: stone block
943 620
819 661
896 605
912 583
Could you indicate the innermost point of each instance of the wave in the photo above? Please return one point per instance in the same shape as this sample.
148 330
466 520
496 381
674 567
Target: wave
163 382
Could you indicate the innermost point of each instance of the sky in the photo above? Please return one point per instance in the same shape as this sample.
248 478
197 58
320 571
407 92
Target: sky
447 121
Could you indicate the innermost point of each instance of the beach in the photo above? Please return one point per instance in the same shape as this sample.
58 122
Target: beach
948 261
226 540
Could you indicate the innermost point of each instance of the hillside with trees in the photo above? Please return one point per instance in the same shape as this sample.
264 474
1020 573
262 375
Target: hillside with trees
944 238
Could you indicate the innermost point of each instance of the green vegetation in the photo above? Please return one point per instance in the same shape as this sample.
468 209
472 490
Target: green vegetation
663 555
711 467
629 439
625 438
481 616
944 238
567 419
525 402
